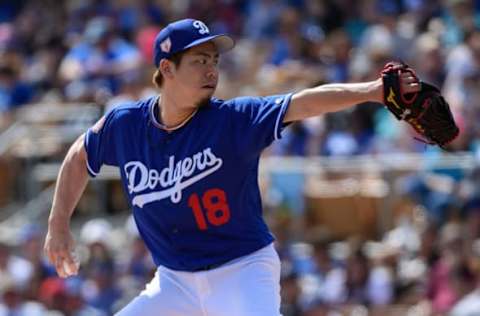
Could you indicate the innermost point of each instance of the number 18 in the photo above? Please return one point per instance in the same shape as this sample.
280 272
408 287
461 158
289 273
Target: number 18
214 201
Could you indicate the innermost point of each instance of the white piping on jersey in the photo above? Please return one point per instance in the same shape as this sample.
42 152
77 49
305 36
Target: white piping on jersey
91 170
141 178
165 127
276 132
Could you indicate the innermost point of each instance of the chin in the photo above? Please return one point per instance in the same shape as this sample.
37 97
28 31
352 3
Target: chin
205 99
204 102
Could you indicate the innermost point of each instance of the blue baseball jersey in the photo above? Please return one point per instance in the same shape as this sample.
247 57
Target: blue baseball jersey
194 191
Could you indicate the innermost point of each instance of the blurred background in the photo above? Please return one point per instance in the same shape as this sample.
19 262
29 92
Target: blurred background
368 220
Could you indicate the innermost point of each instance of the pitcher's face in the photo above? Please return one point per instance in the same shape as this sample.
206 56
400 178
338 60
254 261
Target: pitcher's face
196 76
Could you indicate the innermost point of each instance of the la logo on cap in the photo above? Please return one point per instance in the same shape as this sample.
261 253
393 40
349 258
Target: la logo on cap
166 45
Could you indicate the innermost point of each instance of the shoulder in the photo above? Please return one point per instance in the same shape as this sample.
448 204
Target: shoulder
252 103
236 104
131 110
133 107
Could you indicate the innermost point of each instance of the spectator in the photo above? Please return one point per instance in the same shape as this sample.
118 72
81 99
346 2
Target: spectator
15 268
97 62
357 271
13 92
280 45
13 303
101 292
329 277
290 294
444 274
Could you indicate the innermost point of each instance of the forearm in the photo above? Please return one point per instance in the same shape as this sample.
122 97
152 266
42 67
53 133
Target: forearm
331 98
71 182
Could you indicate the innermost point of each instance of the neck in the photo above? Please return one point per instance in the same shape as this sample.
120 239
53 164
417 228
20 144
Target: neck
171 114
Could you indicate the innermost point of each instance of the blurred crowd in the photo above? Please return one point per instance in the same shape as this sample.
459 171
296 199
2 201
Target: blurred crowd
418 268
100 51
115 266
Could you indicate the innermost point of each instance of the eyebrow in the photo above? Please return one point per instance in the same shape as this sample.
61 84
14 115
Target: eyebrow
216 55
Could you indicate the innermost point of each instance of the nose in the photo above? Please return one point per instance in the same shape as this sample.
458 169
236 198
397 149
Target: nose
212 71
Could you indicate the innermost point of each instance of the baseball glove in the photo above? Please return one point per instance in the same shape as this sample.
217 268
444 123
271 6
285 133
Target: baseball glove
426 111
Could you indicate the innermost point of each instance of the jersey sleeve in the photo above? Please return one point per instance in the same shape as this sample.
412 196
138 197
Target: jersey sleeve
260 119
100 144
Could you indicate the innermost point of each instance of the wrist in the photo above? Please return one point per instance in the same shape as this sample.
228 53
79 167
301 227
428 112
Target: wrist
376 91
58 222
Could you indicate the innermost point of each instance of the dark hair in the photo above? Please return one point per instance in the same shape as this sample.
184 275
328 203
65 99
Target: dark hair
176 59
7 70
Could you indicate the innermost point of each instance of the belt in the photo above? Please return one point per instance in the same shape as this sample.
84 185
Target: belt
208 267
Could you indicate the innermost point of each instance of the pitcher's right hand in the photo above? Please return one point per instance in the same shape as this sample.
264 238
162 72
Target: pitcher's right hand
59 248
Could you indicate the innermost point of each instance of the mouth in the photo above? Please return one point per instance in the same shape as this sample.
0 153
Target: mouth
208 86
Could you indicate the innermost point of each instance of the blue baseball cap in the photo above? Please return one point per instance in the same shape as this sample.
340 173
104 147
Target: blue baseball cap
184 34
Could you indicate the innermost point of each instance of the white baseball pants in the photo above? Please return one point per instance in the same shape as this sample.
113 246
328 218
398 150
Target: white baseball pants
247 286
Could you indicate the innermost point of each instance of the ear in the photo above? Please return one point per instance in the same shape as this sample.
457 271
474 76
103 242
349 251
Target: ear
167 68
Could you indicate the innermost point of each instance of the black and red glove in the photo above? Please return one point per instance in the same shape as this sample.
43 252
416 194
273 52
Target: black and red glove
426 110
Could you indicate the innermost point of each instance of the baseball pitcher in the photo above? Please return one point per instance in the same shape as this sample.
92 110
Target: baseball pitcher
189 167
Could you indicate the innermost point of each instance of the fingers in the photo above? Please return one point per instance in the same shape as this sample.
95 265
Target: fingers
70 266
411 87
59 268
409 82
61 255
65 264
408 76
409 79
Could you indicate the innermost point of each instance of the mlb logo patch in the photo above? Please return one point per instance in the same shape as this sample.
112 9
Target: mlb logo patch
166 45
